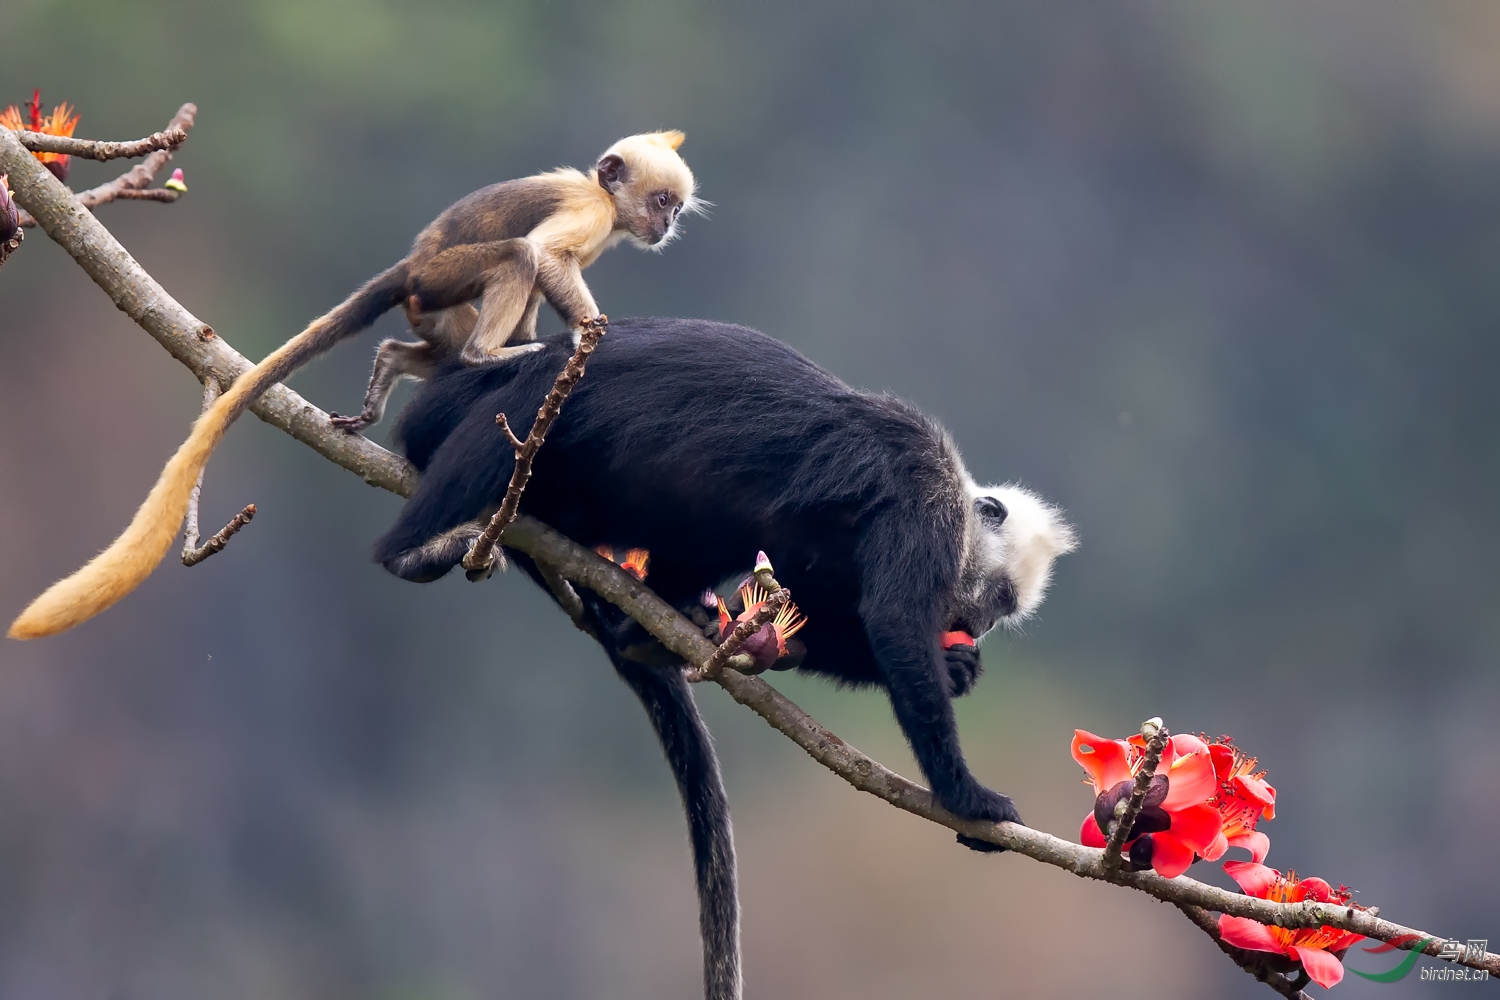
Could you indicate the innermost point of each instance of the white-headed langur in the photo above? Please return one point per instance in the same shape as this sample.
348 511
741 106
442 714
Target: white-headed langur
899 560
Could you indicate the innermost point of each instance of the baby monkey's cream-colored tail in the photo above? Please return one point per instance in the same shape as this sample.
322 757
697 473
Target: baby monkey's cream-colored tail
122 567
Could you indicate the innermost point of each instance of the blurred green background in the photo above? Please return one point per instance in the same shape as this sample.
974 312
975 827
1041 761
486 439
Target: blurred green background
1217 278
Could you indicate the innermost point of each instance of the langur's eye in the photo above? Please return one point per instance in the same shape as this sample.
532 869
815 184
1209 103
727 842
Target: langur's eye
661 199
991 510
676 211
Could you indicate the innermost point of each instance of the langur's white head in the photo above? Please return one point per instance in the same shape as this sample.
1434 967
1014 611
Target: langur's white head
1013 538
651 185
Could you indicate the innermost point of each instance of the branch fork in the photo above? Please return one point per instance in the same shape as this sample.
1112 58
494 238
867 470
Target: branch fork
134 184
192 552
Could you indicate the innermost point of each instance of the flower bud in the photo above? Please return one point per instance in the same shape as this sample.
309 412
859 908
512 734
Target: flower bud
10 221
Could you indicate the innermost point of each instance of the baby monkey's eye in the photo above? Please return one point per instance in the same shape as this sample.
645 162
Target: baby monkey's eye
661 199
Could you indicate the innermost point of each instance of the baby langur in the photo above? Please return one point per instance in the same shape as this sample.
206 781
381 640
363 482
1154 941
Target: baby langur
506 247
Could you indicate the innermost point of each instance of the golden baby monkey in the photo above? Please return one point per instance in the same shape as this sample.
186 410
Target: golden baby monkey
507 247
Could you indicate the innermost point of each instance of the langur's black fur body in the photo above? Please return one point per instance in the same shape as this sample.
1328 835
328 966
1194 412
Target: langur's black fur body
706 442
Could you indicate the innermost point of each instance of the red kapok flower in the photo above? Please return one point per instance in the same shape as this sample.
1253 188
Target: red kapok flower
635 561
1318 949
1244 799
1178 821
951 639
62 121
770 643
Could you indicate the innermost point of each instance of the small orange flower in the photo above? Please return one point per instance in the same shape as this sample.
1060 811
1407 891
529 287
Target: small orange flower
62 121
1318 949
634 563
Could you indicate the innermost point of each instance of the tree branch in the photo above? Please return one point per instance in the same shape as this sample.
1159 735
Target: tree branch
133 182
91 149
64 218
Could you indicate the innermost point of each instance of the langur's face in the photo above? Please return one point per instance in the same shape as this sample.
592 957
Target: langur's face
649 215
651 185
1013 539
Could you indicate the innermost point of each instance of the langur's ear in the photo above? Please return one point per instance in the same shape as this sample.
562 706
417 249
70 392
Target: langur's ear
612 172
673 138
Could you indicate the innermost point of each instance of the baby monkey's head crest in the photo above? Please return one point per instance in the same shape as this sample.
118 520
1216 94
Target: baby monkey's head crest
651 186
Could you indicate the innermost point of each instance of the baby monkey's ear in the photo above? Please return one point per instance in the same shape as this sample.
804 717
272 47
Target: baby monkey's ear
612 172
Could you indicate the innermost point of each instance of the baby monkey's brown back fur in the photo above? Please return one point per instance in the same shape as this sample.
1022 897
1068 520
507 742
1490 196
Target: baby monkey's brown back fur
506 247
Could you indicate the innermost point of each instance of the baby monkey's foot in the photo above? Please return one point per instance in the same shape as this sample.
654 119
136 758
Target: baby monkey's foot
351 425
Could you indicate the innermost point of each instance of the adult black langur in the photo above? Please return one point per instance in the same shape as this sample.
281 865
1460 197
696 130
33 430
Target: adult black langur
704 442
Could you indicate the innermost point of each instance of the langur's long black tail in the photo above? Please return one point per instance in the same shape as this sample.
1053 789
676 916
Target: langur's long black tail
690 751
120 568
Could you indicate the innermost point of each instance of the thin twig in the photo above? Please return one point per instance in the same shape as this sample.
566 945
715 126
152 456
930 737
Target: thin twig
190 341
148 194
481 556
1128 811
92 149
190 522
510 435
192 552
133 182
220 539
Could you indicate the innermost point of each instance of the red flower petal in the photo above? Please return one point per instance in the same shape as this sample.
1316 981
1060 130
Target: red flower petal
1089 835
1223 758
1196 826
1257 791
1324 969
1216 850
1316 889
1106 761
951 639
1257 843
1255 878
1242 932
1191 773
1169 855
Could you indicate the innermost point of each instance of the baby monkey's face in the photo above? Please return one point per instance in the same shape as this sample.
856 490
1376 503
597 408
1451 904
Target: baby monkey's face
649 214
658 218
651 186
